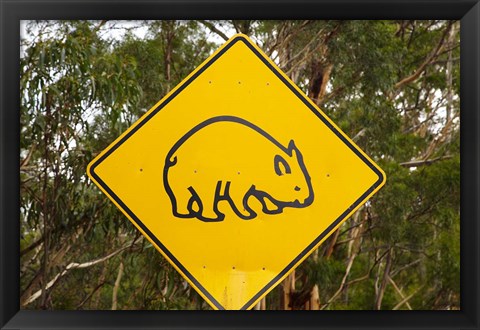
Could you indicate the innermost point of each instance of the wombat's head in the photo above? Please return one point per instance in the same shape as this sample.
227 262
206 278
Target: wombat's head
293 184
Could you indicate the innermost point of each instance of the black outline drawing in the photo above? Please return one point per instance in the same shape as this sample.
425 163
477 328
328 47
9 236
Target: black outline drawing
263 197
301 97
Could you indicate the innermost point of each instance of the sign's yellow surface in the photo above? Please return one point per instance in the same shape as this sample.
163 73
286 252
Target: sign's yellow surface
236 176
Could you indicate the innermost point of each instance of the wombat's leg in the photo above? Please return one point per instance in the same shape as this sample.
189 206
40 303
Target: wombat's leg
181 204
269 207
238 199
208 195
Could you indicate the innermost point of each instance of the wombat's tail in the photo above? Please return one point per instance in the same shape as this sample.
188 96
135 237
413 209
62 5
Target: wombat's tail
171 161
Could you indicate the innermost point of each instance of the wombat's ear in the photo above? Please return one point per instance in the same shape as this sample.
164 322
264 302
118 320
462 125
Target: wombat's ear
292 147
281 165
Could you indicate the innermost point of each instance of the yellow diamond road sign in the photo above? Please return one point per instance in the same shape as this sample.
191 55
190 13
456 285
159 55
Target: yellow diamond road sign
235 176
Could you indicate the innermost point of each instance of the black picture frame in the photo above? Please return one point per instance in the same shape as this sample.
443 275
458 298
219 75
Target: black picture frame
13 11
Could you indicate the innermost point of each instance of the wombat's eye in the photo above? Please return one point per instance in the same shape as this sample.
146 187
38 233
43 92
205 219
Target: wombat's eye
281 165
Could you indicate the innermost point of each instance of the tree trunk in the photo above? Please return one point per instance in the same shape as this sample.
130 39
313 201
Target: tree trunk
169 28
319 81
314 303
383 285
117 286
288 289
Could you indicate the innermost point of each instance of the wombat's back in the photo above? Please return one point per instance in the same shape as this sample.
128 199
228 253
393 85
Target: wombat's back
223 148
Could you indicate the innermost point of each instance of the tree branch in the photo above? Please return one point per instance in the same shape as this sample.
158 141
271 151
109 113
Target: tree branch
351 259
406 299
383 285
72 265
392 274
26 160
102 23
214 29
421 162
90 295
32 246
395 286
116 286
427 61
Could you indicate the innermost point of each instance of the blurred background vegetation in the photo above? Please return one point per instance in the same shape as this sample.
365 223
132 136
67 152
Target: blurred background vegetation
392 86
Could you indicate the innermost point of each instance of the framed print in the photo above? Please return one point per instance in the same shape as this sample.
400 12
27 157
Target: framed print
313 164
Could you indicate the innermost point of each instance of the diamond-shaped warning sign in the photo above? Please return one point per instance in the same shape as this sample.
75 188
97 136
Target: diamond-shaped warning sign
235 176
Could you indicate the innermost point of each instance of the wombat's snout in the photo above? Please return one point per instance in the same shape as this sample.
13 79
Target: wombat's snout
297 203
301 202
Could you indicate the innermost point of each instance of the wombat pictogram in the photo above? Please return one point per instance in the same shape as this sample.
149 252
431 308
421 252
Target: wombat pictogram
228 158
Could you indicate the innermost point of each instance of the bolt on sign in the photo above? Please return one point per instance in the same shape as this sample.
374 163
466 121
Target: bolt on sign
235 176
